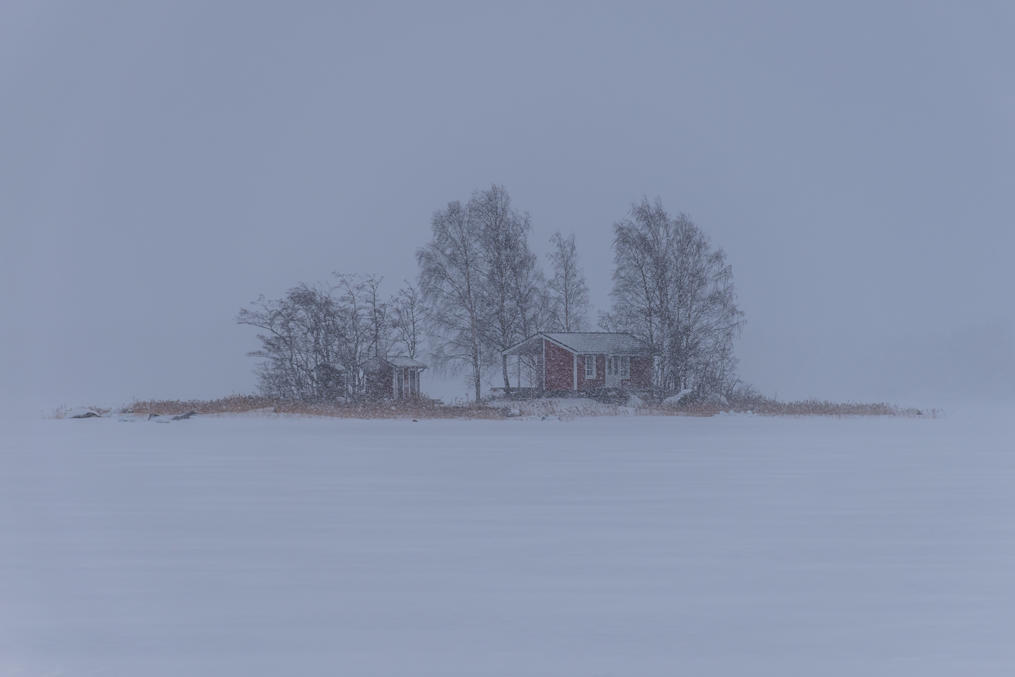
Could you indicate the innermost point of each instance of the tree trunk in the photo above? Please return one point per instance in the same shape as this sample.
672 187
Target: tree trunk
507 381
476 376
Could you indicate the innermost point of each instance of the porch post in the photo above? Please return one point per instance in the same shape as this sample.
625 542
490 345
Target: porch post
542 367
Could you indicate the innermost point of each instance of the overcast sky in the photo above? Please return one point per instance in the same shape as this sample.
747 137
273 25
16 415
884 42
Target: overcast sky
162 164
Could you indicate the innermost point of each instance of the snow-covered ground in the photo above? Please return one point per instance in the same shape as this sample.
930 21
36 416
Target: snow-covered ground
561 407
735 545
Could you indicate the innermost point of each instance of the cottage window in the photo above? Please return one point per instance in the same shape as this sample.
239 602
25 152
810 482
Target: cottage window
590 366
625 366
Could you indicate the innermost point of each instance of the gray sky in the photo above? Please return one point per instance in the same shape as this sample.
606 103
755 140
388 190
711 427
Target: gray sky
161 164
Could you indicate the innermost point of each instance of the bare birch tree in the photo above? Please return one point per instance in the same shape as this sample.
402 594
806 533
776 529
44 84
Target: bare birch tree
532 307
675 292
568 293
378 316
408 317
450 282
510 281
480 282
355 325
707 319
642 279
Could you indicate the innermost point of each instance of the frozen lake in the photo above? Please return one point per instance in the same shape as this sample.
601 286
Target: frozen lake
735 545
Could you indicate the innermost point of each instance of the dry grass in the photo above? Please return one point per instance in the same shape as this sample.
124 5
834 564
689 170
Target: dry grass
234 404
549 407
770 407
238 404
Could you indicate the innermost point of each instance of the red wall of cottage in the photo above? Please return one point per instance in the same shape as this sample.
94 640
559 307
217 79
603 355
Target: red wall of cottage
559 367
560 371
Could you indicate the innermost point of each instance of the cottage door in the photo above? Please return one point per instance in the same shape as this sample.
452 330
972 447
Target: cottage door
612 371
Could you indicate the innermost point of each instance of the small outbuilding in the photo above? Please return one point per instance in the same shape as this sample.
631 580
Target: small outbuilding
586 361
392 377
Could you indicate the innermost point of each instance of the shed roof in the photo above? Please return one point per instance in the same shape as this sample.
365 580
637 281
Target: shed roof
403 361
377 363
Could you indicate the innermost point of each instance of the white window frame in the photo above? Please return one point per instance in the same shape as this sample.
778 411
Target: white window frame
587 360
625 366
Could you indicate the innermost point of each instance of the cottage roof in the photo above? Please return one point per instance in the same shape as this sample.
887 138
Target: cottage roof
614 343
597 342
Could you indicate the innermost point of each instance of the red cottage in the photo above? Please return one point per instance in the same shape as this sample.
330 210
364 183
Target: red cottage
585 361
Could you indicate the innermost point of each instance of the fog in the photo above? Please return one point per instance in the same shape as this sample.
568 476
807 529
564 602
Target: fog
162 164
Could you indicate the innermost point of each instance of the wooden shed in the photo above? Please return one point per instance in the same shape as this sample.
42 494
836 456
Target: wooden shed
392 377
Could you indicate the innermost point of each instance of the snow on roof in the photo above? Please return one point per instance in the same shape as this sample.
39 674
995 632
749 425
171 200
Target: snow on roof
378 363
598 342
403 361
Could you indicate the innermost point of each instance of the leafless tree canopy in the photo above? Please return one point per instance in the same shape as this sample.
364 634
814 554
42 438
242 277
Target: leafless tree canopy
408 317
315 339
303 344
450 279
480 281
568 293
512 285
379 317
673 290
352 298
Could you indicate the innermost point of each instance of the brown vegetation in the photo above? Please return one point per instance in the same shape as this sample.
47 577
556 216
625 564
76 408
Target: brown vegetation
825 408
549 407
749 400
238 404
807 408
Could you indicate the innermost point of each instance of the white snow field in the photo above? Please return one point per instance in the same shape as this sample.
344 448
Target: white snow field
616 545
